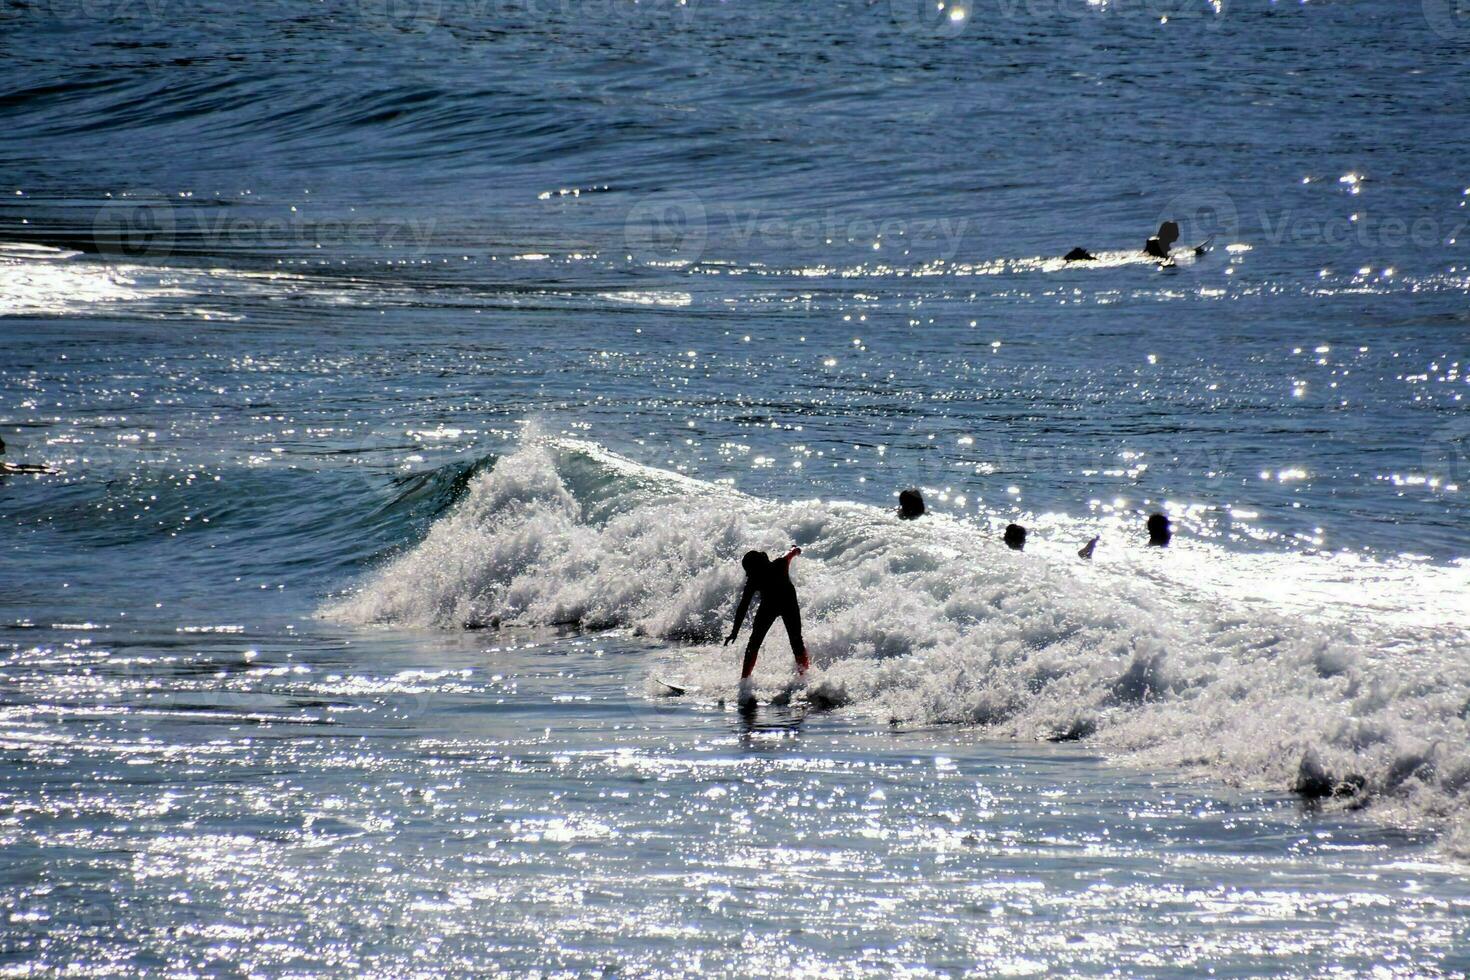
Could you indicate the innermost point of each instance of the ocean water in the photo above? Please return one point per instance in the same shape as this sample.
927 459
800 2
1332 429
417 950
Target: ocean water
412 375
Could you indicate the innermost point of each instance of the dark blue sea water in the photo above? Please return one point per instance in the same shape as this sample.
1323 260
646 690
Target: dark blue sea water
410 375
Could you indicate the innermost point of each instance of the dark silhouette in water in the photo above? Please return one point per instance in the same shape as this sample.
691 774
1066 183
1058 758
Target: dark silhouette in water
910 504
1159 245
1088 549
1015 537
772 579
20 467
1159 531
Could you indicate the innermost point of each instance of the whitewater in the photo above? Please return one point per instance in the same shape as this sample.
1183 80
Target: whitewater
1349 685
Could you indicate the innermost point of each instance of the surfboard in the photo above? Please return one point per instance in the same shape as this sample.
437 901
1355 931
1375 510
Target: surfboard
678 690
20 468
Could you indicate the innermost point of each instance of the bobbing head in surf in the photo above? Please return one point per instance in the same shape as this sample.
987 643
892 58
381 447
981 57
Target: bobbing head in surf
1015 537
772 579
1160 531
910 504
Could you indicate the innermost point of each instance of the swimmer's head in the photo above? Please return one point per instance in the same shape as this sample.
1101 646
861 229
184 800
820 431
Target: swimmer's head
1015 537
755 562
1159 530
910 504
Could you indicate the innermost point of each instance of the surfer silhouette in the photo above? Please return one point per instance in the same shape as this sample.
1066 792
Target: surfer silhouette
1160 531
772 579
1159 245
7 467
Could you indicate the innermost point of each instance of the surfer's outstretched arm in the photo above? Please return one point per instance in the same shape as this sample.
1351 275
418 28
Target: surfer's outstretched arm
740 611
790 555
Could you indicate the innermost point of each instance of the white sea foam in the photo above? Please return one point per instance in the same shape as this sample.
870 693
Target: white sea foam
39 281
1265 670
36 280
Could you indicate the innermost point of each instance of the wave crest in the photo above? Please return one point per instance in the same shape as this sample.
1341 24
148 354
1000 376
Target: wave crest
936 622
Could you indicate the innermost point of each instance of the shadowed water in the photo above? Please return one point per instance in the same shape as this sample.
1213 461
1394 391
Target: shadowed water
332 803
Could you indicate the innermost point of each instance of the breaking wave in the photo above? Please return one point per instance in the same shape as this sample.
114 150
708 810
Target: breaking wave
1339 679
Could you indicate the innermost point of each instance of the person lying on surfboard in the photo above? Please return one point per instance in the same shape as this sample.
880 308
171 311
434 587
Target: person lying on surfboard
1160 246
772 579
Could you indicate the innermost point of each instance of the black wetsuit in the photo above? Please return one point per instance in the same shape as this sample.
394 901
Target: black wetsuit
778 599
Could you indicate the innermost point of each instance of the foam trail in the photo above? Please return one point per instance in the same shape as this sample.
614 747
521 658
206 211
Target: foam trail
935 622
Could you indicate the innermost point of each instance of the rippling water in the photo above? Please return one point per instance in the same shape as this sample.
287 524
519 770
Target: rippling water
343 326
